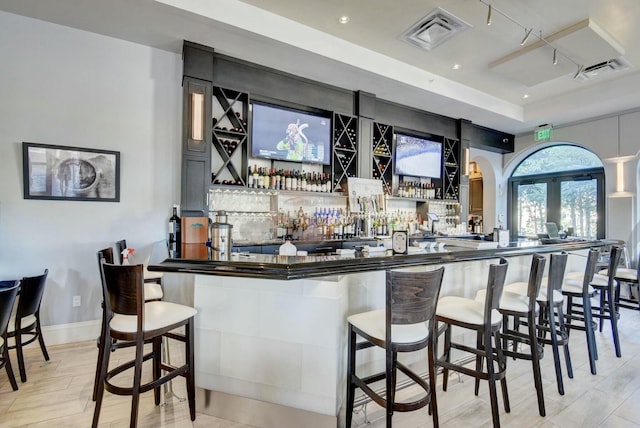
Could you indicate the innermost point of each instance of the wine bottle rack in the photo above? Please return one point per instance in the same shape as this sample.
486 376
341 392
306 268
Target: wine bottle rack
345 143
451 176
382 156
229 162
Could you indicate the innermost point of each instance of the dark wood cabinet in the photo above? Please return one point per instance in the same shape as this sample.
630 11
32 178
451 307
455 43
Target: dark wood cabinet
475 196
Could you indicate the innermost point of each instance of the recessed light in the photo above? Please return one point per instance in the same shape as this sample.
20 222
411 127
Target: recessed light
525 96
456 66
344 19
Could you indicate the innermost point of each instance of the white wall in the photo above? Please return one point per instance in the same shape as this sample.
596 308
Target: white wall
68 87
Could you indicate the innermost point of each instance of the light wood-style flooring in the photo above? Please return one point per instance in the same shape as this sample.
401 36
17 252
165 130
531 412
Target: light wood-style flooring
58 393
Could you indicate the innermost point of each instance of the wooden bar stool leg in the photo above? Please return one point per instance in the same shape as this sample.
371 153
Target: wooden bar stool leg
191 378
613 315
157 359
104 364
554 343
351 388
502 365
137 378
492 380
535 362
565 336
479 361
433 406
447 352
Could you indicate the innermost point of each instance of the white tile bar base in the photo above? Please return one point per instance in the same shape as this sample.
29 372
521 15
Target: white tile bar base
278 347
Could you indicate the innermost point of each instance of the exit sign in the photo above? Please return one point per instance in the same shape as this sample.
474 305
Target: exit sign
542 134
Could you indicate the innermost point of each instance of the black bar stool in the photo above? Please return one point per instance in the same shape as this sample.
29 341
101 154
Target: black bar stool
27 319
485 319
517 307
579 313
129 318
551 318
8 293
405 325
608 310
626 275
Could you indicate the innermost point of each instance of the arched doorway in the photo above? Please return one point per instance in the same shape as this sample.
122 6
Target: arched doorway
563 184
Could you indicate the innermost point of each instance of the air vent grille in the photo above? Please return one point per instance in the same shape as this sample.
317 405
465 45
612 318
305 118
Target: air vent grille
434 29
603 68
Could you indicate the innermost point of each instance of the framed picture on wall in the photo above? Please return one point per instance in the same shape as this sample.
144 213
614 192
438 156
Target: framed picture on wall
70 173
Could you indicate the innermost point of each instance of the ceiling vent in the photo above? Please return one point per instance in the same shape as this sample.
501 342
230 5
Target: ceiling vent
603 68
434 29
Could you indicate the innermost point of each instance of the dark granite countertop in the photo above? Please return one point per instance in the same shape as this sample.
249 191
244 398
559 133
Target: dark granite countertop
197 260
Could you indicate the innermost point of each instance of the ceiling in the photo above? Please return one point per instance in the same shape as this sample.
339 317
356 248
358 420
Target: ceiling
368 53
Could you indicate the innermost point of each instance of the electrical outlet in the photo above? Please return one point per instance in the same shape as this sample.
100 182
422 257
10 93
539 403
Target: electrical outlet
77 301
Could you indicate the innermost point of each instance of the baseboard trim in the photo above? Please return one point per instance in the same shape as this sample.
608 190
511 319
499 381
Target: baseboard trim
73 332
257 413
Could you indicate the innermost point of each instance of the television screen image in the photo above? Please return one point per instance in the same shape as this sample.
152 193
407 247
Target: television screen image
292 135
418 157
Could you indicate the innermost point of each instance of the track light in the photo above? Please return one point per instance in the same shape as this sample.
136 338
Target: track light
580 69
526 36
489 16
555 56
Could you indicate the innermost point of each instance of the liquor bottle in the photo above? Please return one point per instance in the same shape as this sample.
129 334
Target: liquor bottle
175 234
294 180
303 181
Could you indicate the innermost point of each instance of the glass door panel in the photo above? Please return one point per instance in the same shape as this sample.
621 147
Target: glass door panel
532 209
579 207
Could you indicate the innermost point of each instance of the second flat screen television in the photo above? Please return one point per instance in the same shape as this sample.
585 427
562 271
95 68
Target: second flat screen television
291 135
418 157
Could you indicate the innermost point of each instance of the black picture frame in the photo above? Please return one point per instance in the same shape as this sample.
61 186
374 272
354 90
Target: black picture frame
70 173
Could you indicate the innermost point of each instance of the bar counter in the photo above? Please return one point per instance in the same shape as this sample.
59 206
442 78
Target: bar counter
198 260
271 330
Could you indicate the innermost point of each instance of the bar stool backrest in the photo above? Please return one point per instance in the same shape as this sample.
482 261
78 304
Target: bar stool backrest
589 271
121 245
412 296
123 289
495 285
557 267
31 291
536 274
614 262
7 299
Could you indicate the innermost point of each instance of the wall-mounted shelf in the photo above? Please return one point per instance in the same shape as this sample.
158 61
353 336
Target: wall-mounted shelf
345 143
451 170
230 134
382 157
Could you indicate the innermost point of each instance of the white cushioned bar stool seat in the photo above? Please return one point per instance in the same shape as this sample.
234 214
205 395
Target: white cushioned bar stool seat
373 323
466 311
405 325
521 288
129 318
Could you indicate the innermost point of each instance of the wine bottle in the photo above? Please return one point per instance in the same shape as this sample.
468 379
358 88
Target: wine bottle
250 179
175 234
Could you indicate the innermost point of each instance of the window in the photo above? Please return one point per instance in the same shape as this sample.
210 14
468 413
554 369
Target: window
563 184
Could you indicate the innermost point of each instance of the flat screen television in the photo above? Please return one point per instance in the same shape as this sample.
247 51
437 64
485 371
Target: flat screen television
417 156
291 135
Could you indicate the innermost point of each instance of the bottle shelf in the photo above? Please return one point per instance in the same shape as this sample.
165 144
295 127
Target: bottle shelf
229 159
451 176
382 157
345 153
